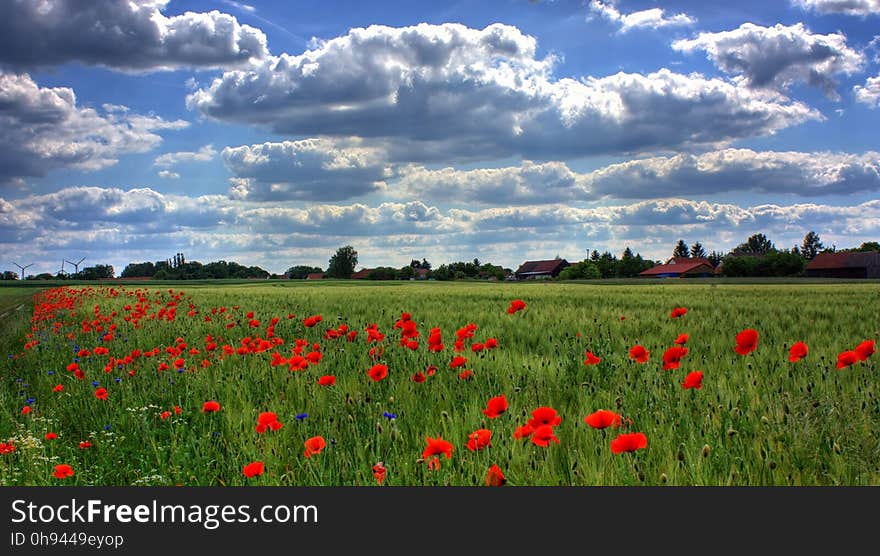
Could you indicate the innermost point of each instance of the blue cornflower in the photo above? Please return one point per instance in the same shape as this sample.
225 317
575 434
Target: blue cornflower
117 380
389 416
301 416
95 383
50 373
107 427
29 401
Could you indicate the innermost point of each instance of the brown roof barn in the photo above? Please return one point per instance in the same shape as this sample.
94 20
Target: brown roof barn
362 274
859 264
315 276
532 270
681 267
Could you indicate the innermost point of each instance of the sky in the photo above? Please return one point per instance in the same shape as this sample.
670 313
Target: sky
272 132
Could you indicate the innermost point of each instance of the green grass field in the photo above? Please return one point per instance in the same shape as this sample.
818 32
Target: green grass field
757 420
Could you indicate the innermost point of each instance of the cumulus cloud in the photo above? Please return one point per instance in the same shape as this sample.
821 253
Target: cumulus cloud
138 224
447 92
44 129
799 173
847 7
167 160
805 174
653 18
779 56
869 93
313 169
127 35
168 175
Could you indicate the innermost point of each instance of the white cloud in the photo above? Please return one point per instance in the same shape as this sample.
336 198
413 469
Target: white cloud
204 154
869 93
166 175
653 18
44 129
127 35
443 92
848 7
309 169
779 56
142 224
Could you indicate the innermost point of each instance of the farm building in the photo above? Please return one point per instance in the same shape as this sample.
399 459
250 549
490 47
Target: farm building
681 267
537 270
315 276
860 264
362 274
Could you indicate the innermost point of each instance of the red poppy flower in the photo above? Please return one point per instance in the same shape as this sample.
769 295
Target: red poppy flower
677 312
629 442
27 409
603 419
436 447
457 361
51 436
85 444
466 374
164 415
58 388
495 477
544 416
681 340
179 363
379 472
524 431
693 380
847 358
865 349
378 372
592 359
63 471
210 407
491 343
177 410
253 469
797 352
312 321
543 436
268 420
327 380
639 354
7 448
101 393
672 357
314 445
431 370
479 439
495 407
419 376
516 305
746 341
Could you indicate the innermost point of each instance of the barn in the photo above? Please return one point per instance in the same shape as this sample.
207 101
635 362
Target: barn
857 264
538 270
315 276
681 267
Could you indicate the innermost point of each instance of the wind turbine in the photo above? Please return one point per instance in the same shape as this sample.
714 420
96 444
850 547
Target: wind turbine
23 268
61 272
75 264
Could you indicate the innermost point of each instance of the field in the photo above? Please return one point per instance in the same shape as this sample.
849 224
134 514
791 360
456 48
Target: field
758 419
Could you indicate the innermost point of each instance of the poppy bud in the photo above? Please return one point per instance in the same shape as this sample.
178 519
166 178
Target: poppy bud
444 415
731 432
772 464
705 450
379 427
663 478
837 448
765 420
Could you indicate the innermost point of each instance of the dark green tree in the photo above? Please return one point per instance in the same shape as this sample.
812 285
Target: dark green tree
342 263
299 272
811 246
757 244
697 251
681 250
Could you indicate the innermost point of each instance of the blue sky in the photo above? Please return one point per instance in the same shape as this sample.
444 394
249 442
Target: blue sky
271 133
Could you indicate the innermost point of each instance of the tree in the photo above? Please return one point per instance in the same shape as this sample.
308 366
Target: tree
9 275
299 272
342 263
715 258
139 270
681 250
408 272
425 264
757 244
697 251
869 246
811 246
97 272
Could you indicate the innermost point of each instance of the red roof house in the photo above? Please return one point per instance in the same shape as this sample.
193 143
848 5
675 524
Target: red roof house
858 264
315 276
534 270
681 267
